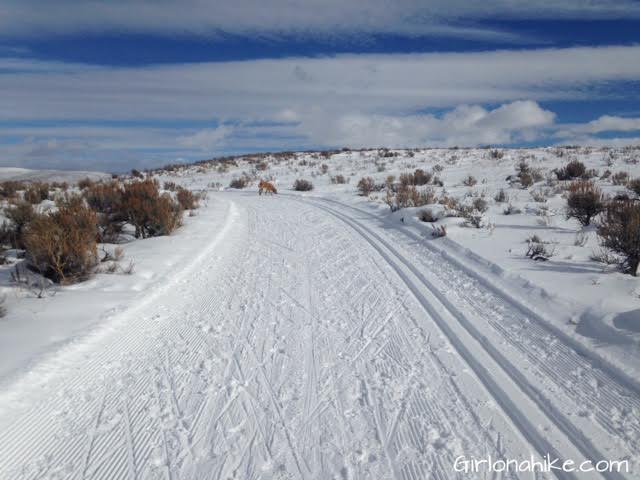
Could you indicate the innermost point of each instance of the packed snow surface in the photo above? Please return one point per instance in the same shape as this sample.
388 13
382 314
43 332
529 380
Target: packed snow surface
319 336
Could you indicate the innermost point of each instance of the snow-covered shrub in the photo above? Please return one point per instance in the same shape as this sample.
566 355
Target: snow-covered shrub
10 188
390 183
511 210
524 174
620 178
604 256
420 177
589 174
366 185
496 154
151 213
406 179
473 217
572 170
339 179
137 173
540 195
36 192
409 196
85 183
619 231
585 201
449 203
538 250
426 215
302 185
104 197
470 181
186 199
480 204
239 183
170 186
18 214
61 244
501 196
526 180
634 186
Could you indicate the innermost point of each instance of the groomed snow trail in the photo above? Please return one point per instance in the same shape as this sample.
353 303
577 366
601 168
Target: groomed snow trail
307 343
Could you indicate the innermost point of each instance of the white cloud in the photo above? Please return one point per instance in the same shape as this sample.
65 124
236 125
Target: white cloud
606 123
208 139
325 17
466 125
263 89
336 101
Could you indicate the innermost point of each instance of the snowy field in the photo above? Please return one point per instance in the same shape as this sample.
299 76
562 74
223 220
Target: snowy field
29 175
321 335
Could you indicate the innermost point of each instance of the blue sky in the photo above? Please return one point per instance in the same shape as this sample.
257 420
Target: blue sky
140 83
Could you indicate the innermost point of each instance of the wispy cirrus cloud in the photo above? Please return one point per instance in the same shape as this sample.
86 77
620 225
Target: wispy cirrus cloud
346 100
260 89
307 17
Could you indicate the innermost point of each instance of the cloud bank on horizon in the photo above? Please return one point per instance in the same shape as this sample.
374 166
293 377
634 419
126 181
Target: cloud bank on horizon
438 74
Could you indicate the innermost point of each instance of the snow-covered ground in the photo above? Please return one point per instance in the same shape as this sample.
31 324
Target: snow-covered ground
29 175
319 335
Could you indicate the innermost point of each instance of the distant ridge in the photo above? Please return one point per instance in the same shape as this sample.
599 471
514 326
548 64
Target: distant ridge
28 175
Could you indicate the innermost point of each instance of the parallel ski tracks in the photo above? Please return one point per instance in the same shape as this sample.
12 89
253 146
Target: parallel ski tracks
485 360
305 358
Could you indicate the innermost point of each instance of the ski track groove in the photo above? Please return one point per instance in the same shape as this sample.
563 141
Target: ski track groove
576 436
594 393
299 354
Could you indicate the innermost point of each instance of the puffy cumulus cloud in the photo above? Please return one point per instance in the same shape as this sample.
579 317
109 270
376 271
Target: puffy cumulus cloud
466 125
273 17
517 115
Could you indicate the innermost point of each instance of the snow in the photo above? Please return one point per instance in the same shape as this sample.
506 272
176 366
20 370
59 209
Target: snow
29 175
319 335
37 327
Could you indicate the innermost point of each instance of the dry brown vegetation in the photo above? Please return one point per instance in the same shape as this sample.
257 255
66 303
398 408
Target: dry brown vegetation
36 192
366 185
18 214
572 170
585 201
61 245
10 188
151 213
186 199
302 185
619 231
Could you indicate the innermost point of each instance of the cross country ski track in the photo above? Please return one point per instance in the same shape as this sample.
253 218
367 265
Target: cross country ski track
307 342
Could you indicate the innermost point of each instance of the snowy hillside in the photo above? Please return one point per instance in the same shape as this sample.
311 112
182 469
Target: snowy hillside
28 175
329 333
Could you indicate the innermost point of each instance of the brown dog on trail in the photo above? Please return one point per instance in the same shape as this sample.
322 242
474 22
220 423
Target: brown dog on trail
266 187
